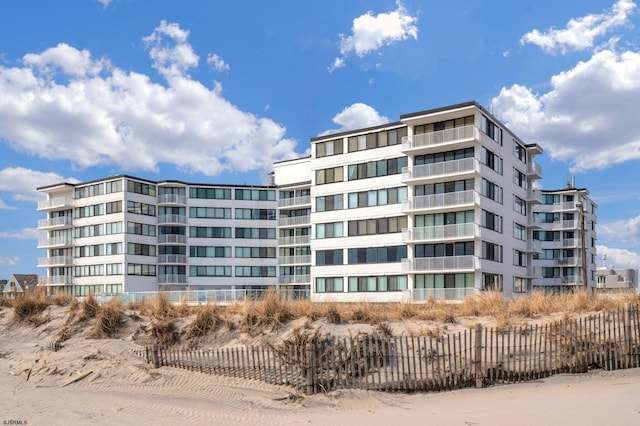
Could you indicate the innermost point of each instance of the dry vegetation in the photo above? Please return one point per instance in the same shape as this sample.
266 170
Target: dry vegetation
160 321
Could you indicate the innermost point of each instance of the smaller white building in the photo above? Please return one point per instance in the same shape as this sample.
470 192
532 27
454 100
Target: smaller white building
612 280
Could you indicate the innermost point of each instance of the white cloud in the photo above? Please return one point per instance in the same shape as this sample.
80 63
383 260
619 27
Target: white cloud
371 32
580 33
588 117
217 62
22 183
24 234
9 261
357 116
104 3
64 105
625 231
619 258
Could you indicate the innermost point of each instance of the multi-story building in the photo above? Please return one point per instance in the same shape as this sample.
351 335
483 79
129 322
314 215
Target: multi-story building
566 238
438 204
615 280
125 234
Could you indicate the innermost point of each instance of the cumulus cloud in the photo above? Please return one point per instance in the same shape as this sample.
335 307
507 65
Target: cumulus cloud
9 261
63 104
217 63
619 258
357 116
370 32
104 3
21 183
24 234
588 117
580 33
627 231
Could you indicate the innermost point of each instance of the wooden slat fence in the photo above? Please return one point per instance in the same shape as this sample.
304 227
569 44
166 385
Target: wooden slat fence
475 357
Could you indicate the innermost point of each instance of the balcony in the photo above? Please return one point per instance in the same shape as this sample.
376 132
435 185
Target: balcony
56 222
63 241
46 262
423 172
568 261
534 221
440 232
295 260
172 199
534 170
172 219
295 279
570 242
564 224
292 241
55 203
56 280
172 239
445 263
534 246
295 201
422 142
424 294
172 258
172 279
294 220
534 196
446 200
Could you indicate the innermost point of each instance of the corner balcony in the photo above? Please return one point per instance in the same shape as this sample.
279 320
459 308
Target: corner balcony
534 196
295 279
169 219
56 222
423 172
534 170
440 232
172 239
294 220
534 221
55 203
172 258
439 264
172 279
55 242
47 262
534 246
293 241
564 224
295 260
294 201
467 198
425 142
172 199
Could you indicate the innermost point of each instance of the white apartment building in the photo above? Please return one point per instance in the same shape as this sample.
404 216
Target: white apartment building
615 280
126 234
438 204
566 239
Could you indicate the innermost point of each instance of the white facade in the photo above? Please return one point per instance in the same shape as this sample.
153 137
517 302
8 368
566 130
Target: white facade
612 280
125 234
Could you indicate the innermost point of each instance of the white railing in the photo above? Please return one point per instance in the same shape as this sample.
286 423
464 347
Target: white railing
444 263
570 242
294 220
172 239
55 261
172 218
442 168
441 200
534 245
423 294
172 199
294 260
534 220
172 278
440 232
295 201
54 203
299 239
440 137
534 169
568 261
55 221
55 280
172 258
569 205
295 279
534 196
206 296
565 224
55 241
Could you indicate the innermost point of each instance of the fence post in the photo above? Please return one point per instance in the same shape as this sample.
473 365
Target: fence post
310 368
627 334
478 355
154 356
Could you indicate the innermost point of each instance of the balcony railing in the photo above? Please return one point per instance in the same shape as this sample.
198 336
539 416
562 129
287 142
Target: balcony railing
55 280
295 260
55 261
464 165
570 242
534 196
423 294
55 222
534 246
172 218
440 232
534 220
55 203
440 137
565 224
295 279
172 278
172 239
172 258
568 261
449 199
294 201
55 242
297 240
294 220
172 199
445 263
534 169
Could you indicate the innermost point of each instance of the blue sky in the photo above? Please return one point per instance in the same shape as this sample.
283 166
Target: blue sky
205 91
